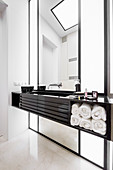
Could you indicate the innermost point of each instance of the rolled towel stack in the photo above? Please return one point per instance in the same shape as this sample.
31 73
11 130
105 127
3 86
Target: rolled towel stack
99 126
85 111
98 112
75 120
75 108
89 118
86 123
98 119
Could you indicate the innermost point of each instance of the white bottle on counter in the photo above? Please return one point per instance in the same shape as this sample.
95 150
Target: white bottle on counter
85 92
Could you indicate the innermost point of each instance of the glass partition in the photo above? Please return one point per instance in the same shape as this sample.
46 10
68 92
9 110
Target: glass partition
92 45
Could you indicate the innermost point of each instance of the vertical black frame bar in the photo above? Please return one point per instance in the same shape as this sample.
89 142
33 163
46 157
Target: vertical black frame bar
108 49
29 55
79 40
105 48
37 55
29 41
37 42
105 154
79 142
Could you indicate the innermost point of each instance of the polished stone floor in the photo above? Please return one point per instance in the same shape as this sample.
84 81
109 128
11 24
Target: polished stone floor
30 151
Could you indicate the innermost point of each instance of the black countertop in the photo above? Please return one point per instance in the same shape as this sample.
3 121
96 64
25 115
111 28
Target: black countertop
68 95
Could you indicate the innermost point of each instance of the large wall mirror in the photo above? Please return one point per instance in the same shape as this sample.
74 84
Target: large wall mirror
58 43
72 44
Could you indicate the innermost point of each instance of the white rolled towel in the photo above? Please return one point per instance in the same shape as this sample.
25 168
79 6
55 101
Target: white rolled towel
99 126
75 120
98 112
85 111
75 108
86 123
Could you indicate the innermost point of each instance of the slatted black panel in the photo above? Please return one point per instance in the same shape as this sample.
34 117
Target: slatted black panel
57 109
15 99
41 102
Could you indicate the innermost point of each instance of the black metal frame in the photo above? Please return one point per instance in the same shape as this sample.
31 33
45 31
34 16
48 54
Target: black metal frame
78 154
29 54
58 19
79 41
105 48
38 102
55 109
79 71
108 51
106 66
29 41
105 154
37 42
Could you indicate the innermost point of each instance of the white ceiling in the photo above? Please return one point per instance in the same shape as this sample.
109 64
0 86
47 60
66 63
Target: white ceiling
45 7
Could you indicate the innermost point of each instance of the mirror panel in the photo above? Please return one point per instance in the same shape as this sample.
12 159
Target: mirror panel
58 47
92 45
60 133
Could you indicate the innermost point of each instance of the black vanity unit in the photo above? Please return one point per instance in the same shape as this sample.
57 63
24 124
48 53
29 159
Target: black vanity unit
56 106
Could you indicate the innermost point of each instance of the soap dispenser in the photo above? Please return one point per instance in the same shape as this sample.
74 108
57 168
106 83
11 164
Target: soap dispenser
77 85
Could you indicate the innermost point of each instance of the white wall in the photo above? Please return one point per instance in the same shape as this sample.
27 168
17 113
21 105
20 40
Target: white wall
3 75
0 62
17 19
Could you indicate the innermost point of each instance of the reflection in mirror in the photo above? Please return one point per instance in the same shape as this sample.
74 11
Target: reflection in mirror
58 43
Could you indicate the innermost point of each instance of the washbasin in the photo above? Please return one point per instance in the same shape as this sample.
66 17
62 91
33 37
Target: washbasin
50 93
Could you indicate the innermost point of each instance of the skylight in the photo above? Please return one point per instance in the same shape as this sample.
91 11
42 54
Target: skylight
66 12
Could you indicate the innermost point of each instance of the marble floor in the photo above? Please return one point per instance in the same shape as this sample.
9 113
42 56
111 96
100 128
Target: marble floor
30 151
2 139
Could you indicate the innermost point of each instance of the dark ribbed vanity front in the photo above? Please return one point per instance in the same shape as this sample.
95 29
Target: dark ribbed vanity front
48 107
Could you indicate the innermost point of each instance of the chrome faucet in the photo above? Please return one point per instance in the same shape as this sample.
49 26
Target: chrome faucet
58 85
